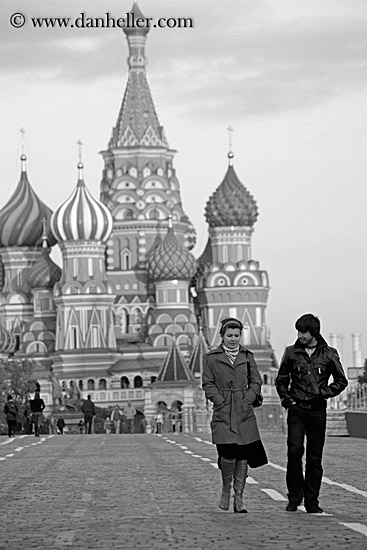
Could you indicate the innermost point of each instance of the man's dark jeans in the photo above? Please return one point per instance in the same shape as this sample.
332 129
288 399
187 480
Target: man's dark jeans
312 424
88 421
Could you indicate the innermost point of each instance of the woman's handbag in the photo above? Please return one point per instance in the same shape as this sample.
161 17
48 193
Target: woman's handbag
258 401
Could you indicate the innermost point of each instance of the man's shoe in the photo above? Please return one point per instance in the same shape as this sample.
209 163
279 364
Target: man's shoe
314 510
292 507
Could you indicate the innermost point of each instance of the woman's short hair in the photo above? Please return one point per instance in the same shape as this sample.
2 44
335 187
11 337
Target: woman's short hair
308 323
229 322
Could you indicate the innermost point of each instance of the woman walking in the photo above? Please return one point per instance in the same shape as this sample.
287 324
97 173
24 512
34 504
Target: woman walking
232 382
37 406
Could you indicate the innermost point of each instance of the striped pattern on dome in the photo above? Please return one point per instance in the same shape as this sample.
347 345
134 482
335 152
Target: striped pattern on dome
231 204
170 260
7 341
44 273
21 218
82 218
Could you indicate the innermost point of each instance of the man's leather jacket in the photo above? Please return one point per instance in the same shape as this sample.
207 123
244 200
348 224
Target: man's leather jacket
305 380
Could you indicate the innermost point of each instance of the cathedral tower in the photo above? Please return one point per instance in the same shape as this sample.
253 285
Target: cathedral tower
230 282
22 222
141 190
85 339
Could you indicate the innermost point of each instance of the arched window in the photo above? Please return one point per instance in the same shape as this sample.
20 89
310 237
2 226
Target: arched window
124 321
128 215
80 384
125 382
138 382
154 214
126 259
90 385
265 378
102 384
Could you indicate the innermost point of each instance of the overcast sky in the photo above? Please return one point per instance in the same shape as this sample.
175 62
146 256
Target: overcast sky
288 75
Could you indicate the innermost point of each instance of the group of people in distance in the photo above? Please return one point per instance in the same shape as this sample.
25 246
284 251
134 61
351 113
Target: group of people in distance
11 411
232 382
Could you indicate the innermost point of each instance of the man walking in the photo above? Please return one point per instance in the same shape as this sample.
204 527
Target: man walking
303 387
11 411
89 411
129 413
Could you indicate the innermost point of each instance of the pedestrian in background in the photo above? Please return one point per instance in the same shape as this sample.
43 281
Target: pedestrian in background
159 422
116 417
89 410
81 426
303 387
107 425
232 382
61 425
11 410
37 406
129 413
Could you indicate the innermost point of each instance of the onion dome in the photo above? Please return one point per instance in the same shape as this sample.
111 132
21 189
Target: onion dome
81 217
231 204
44 273
7 341
21 218
134 29
170 260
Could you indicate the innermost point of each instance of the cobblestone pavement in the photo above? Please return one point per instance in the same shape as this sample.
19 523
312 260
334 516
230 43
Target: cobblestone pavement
160 492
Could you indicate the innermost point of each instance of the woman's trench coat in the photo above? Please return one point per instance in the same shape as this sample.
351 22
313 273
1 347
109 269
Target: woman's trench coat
227 386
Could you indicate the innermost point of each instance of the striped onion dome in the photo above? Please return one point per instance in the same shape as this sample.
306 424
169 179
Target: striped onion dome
21 218
7 340
231 204
170 260
81 217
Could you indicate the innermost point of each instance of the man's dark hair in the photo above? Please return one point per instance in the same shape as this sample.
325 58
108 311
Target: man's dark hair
89 396
308 323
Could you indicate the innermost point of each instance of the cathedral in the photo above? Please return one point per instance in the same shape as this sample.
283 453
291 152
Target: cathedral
131 311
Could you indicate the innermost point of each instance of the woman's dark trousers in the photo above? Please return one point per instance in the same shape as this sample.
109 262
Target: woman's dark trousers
303 422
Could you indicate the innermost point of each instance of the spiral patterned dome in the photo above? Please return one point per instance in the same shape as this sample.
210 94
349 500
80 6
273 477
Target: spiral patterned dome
44 273
81 217
170 260
231 203
21 218
7 341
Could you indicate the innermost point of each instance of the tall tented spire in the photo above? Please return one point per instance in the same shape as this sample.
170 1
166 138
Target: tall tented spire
201 348
137 123
174 369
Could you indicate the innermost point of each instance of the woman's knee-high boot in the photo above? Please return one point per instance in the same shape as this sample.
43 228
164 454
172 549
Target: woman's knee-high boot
239 482
227 470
